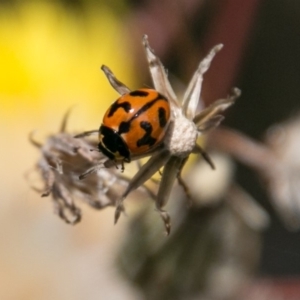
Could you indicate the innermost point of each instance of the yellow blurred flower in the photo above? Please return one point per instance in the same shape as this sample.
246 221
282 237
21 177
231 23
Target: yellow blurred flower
50 57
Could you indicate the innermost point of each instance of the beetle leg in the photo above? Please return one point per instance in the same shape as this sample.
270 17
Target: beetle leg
86 133
122 166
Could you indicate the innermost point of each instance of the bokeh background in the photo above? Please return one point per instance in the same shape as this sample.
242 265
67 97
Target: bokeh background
50 58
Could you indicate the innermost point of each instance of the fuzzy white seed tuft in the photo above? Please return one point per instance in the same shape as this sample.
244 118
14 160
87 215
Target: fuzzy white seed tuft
181 137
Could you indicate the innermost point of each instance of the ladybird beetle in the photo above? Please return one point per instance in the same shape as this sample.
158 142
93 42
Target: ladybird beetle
134 124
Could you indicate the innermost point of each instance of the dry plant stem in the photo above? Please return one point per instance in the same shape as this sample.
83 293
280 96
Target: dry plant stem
205 155
250 211
280 177
244 149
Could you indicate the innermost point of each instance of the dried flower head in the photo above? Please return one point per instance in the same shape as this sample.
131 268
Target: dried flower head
181 136
62 160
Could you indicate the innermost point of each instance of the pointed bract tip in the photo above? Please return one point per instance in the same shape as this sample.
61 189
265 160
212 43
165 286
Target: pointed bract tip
119 209
117 216
46 193
236 92
214 50
146 45
168 230
33 141
219 47
166 219
105 69
145 39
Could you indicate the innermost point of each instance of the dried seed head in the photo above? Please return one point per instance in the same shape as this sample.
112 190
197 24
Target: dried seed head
63 159
181 137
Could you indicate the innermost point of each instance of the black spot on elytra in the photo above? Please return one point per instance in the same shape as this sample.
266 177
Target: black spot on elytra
124 127
147 106
139 93
162 119
147 139
115 106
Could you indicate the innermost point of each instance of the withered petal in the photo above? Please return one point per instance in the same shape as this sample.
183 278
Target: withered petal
158 74
214 109
171 170
211 123
192 94
146 172
169 175
120 87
